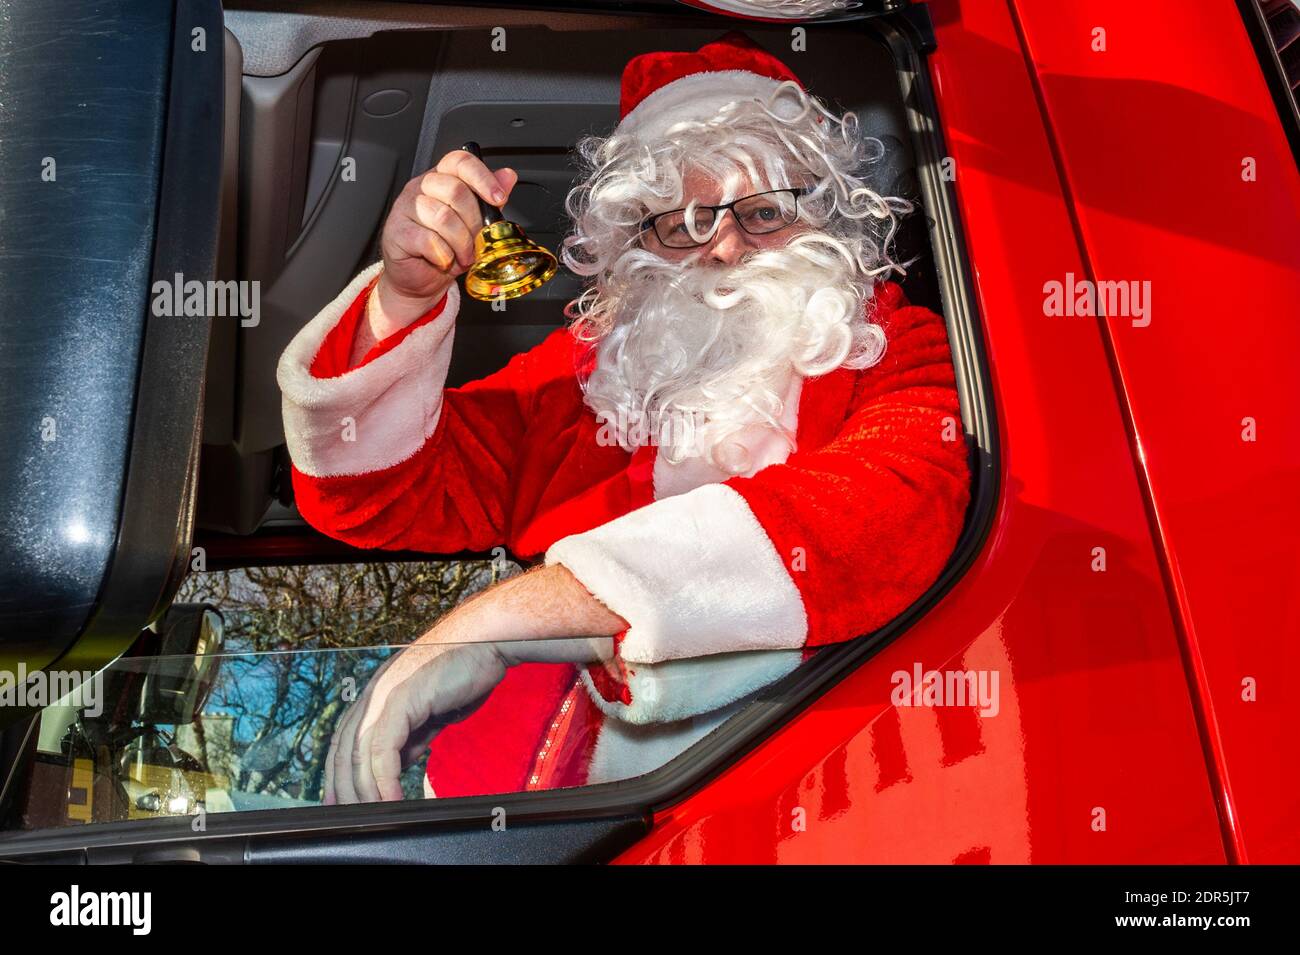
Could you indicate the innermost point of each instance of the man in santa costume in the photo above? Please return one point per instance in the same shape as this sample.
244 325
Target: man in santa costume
744 444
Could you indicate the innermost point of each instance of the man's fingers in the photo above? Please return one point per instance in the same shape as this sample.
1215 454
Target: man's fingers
362 779
404 705
386 762
377 760
328 798
344 791
455 193
470 169
400 706
413 240
446 223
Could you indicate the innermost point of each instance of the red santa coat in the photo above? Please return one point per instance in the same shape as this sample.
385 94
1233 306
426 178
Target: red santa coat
825 543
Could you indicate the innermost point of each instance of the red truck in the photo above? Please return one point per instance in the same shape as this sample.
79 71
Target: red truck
1109 198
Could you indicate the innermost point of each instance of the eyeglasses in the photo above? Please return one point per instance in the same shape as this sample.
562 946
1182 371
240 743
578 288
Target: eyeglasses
760 214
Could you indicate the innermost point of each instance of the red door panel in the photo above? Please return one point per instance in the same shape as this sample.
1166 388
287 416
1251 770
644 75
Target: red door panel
1155 134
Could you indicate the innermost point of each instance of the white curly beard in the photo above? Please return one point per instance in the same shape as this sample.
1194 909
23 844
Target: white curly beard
696 354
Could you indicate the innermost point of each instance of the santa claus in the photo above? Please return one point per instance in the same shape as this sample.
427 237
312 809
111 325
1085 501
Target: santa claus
743 444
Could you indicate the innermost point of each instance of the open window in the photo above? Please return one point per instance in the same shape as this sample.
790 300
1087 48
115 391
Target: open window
228 702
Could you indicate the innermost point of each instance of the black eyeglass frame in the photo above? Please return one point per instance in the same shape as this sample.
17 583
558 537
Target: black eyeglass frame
650 223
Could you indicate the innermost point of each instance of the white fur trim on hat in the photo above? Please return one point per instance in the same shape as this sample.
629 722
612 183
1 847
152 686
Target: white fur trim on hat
372 417
699 96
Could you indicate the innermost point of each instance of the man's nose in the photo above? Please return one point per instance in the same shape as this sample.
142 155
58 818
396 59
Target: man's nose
730 242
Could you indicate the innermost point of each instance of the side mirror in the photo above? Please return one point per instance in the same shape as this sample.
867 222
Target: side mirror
95 528
180 678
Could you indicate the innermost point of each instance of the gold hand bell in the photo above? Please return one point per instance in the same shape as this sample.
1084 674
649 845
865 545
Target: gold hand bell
507 264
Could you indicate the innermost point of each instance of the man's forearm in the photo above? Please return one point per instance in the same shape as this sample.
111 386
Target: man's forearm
548 607
580 650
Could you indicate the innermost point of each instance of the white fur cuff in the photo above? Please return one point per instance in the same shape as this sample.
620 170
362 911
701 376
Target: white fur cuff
373 417
693 574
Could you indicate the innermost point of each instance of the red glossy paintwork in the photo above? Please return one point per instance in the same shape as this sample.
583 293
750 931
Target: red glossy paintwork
1159 190
1120 689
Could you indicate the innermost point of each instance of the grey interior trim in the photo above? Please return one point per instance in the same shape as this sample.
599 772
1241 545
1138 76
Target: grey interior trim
274 39
219 390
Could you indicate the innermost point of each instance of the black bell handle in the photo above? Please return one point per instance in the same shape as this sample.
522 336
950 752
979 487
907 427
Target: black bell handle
489 212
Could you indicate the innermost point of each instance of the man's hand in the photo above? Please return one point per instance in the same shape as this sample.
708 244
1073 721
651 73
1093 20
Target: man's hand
412 696
428 238
443 676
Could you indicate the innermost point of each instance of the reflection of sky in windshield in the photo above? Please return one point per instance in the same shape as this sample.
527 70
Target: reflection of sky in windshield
301 642
270 715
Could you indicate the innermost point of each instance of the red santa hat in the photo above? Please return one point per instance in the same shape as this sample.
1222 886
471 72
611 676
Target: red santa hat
660 89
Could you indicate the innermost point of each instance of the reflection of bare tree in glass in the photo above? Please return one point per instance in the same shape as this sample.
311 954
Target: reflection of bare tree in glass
268 722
